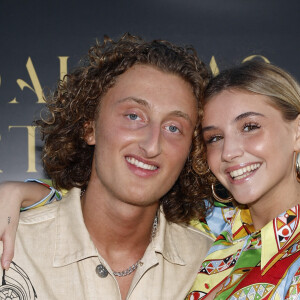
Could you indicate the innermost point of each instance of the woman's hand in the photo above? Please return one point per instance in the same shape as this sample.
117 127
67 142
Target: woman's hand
10 204
13 196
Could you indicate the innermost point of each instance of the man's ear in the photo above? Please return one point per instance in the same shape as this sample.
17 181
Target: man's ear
297 142
89 132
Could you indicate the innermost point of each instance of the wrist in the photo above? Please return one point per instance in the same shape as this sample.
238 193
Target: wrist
48 193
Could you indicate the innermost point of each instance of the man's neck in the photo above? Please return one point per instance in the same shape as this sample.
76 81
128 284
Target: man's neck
120 232
117 229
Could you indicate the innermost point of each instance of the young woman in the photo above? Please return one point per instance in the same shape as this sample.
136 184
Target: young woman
251 140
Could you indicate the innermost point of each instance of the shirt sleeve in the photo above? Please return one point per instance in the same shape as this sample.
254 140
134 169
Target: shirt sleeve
294 289
53 195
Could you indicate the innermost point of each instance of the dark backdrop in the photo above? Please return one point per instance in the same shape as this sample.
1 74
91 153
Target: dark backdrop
41 39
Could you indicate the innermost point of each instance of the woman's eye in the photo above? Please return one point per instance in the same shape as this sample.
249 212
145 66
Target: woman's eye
250 126
213 139
133 117
173 128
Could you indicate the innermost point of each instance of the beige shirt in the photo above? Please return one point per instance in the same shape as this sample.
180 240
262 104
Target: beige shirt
56 259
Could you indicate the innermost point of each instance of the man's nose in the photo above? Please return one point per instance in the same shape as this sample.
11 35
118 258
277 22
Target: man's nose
150 142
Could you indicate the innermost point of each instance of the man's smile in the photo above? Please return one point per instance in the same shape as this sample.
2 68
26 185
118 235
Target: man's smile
140 164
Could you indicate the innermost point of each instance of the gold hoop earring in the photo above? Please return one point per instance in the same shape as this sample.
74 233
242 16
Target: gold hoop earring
297 166
218 198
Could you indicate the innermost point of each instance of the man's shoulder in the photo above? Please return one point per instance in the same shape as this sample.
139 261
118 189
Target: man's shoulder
190 243
185 233
50 211
191 233
40 214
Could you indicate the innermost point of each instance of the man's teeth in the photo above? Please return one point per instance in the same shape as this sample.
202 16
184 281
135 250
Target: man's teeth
139 164
243 172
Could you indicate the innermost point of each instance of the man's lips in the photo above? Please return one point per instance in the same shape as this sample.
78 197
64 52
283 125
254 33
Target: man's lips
142 165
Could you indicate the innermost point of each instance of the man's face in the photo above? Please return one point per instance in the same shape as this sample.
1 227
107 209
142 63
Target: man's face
142 136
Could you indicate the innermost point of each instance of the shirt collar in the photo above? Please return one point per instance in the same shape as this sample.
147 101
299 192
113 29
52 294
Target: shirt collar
241 224
73 242
276 237
166 239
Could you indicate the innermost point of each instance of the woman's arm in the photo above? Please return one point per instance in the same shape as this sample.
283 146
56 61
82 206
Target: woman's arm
13 196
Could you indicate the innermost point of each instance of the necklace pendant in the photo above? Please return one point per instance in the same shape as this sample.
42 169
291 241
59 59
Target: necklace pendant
101 271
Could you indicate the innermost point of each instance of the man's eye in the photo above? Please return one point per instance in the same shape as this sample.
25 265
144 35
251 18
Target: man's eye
173 129
250 126
133 117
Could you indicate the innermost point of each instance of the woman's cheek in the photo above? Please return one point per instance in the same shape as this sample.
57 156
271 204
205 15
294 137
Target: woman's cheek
256 143
213 159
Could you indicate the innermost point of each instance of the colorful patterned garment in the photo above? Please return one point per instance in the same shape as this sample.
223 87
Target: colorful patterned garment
244 264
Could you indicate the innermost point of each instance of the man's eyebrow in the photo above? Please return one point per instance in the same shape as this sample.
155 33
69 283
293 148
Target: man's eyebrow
176 113
137 100
238 118
181 114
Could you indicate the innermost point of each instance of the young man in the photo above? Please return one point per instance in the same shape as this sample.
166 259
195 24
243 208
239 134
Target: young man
120 136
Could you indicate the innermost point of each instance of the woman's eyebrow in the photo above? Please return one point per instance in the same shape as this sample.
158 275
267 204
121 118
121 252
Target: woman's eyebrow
207 128
247 114
239 117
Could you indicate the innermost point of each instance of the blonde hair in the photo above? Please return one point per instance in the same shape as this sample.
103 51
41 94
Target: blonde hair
264 79
255 77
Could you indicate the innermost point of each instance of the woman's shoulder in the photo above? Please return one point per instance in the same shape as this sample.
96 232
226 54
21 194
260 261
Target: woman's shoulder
217 220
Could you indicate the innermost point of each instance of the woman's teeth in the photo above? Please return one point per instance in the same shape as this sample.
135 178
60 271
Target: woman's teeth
243 172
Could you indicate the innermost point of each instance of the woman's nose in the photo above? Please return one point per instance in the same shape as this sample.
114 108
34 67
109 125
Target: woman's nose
232 148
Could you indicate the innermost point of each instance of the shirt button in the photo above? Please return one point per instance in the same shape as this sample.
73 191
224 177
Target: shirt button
101 271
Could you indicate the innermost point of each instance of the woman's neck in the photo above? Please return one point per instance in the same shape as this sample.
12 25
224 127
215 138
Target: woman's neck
266 209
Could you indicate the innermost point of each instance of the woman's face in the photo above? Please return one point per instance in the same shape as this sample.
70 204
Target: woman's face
250 147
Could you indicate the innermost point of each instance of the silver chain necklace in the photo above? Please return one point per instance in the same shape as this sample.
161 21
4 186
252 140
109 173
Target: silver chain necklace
102 271
128 270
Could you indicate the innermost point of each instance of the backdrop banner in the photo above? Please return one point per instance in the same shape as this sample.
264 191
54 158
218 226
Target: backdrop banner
42 40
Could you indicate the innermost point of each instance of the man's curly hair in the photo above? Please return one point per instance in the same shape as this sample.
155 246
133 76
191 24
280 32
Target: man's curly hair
68 158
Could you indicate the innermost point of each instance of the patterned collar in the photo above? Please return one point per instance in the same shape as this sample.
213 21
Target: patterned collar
278 238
